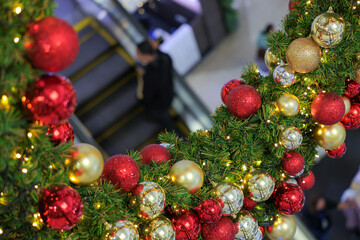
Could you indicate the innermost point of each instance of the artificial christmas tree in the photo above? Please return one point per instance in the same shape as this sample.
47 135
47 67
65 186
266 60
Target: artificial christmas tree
243 157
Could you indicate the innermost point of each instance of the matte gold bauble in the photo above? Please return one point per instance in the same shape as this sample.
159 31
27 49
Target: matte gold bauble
271 60
160 229
187 174
288 105
347 104
330 137
284 228
303 55
259 185
231 195
327 29
85 164
122 230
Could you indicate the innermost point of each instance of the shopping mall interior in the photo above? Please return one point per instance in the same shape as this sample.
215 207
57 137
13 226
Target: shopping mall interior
209 45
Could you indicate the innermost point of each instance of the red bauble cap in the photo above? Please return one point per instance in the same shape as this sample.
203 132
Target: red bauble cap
60 133
289 199
337 152
52 44
352 119
122 171
60 207
156 153
249 204
352 89
243 101
187 226
50 100
292 163
224 229
328 108
306 181
230 85
209 210
292 5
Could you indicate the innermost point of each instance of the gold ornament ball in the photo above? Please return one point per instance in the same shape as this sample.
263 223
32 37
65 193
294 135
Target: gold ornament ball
291 138
187 174
85 165
327 29
331 136
357 76
303 55
288 105
271 60
259 185
247 225
149 200
231 195
160 229
347 104
284 228
122 230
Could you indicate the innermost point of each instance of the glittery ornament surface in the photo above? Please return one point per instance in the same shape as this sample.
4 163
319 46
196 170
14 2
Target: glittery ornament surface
209 210
230 85
123 230
337 152
231 196
306 181
259 185
156 153
149 199
303 55
352 119
292 163
122 171
291 138
289 199
247 226
271 60
51 99
243 101
187 226
60 207
160 229
352 89
52 44
327 29
224 229
292 5
60 133
357 76
284 75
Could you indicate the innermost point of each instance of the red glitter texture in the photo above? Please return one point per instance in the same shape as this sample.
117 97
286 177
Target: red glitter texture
122 171
51 99
328 108
60 133
352 119
243 101
230 85
353 88
292 163
209 210
60 207
289 199
337 152
154 152
52 44
224 229
187 226
306 181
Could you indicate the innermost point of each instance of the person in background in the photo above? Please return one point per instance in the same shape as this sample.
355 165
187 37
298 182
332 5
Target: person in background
262 46
155 83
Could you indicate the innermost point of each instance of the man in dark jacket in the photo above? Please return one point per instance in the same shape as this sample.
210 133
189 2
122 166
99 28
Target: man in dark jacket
156 85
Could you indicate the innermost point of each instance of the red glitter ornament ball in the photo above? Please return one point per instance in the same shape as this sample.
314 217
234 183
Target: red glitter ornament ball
352 119
243 101
249 204
60 133
289 198
60 207
52 44
230 85
352 89
50 100
328 108
122 171
156 153
337 152
292 163
209 210
292 5
187 226
306 181
224 229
